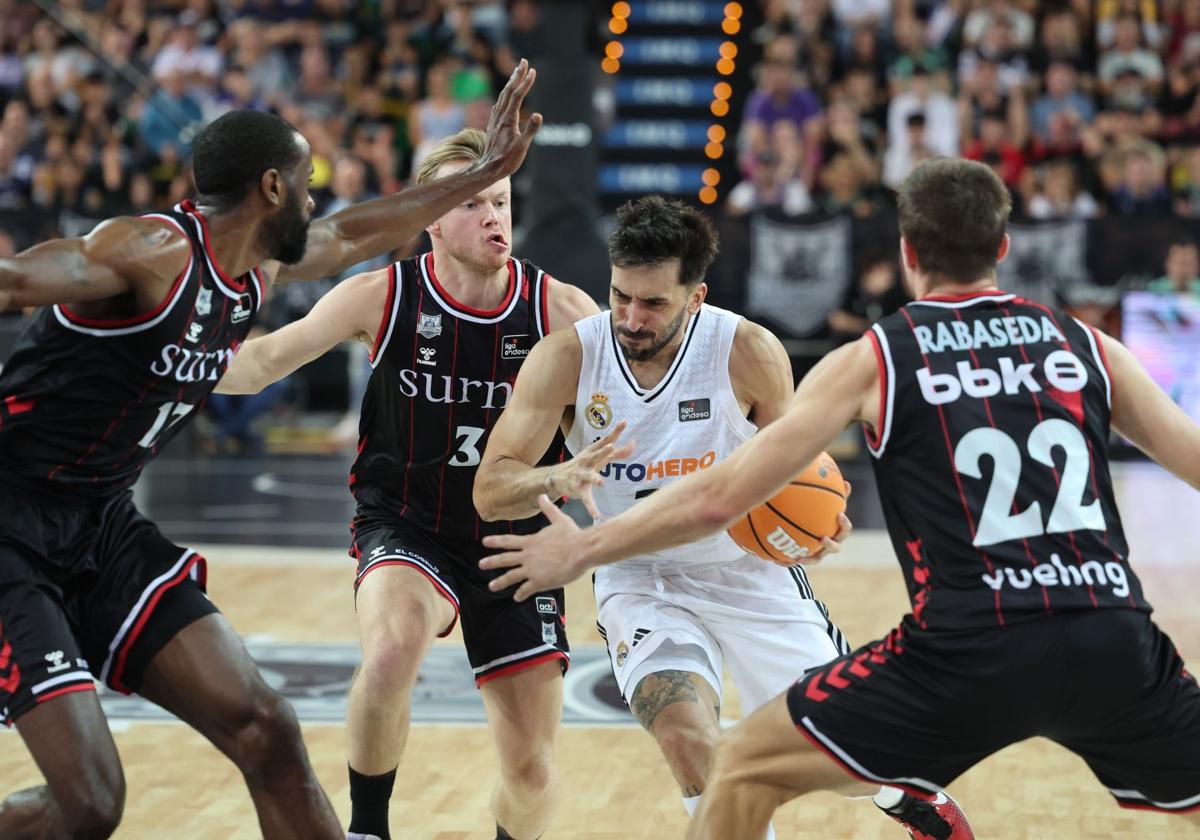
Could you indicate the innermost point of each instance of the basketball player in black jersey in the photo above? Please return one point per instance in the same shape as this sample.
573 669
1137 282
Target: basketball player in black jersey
448 331
988 417
140 319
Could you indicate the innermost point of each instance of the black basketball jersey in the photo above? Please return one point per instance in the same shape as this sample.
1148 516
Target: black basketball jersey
990 454
85 404
442 373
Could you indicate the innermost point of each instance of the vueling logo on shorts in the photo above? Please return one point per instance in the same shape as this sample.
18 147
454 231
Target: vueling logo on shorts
1056 573
668 467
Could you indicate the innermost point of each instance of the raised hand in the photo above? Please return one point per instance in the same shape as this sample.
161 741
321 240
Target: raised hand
579 475
508 139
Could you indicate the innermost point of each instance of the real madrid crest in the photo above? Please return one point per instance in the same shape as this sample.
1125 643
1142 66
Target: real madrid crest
622 654
598 412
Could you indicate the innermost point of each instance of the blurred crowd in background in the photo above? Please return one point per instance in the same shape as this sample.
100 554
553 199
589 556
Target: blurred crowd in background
1085 108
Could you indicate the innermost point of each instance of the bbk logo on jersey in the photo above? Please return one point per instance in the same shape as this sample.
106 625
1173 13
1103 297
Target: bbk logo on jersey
515 347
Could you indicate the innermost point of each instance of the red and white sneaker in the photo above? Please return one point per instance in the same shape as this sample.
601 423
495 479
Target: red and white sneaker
939 818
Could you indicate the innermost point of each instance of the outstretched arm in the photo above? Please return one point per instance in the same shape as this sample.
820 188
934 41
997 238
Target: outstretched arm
843 387
350 310
507 485
1143 413
382 225
118 256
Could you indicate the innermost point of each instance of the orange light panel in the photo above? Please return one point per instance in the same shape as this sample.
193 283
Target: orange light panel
711 177
731 27
618 26
733 10
708 195
716 133
610 65
714 150
722 90
728 49
725 67
621 10
719 107
614 49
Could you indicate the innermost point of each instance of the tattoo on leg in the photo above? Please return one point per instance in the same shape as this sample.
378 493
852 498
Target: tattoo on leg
657 691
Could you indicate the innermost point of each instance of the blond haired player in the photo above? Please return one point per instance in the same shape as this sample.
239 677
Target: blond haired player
448 331
691 382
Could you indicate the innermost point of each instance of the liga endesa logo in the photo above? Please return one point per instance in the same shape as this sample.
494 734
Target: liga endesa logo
666 468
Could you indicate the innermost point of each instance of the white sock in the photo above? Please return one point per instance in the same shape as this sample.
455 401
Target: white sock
888 797
691 803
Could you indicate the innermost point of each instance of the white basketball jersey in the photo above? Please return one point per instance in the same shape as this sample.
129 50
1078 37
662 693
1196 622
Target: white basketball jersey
686 422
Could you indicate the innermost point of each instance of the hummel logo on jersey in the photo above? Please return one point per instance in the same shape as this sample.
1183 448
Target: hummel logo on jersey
427 354
194 330
204 302
514 346
375 552
241 310
429 326
55 658
546 605
694 410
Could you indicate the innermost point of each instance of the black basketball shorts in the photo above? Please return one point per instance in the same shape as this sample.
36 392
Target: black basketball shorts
919 708
502 637
86 589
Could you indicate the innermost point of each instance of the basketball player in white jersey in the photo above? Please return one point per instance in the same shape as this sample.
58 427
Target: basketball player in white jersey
447 332
691 382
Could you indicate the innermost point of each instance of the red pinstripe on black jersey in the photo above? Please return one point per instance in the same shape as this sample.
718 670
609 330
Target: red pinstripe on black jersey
990 453
442 374
85 404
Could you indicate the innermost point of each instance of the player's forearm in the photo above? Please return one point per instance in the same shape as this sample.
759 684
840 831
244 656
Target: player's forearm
508 489
373 228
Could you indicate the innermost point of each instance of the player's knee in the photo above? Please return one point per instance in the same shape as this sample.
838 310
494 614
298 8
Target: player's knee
687 746
530 777
268 736
389 668
95 812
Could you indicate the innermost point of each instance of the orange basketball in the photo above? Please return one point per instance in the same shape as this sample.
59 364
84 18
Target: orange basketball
788 527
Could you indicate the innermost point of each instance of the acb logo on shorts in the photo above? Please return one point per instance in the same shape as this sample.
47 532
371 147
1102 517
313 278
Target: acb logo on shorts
546 605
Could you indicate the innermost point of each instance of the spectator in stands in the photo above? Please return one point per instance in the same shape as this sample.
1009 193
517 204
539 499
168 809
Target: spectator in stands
940 111
995 143
1183 24
1063 108
199 65
877 292
978 22
1187 200
766 189
316 92
1126 55
1182 267
1141 192
999 47
1144 13
16 175
984 93
844 190
913 50
1060 196
1060 38
901 158
270 78
436 116
1180 100
170 117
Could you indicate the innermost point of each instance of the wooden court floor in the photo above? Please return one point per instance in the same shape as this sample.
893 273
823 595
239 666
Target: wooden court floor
614 782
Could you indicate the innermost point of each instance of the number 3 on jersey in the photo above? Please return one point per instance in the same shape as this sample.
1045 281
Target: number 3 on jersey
467 454
996 523
168 415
